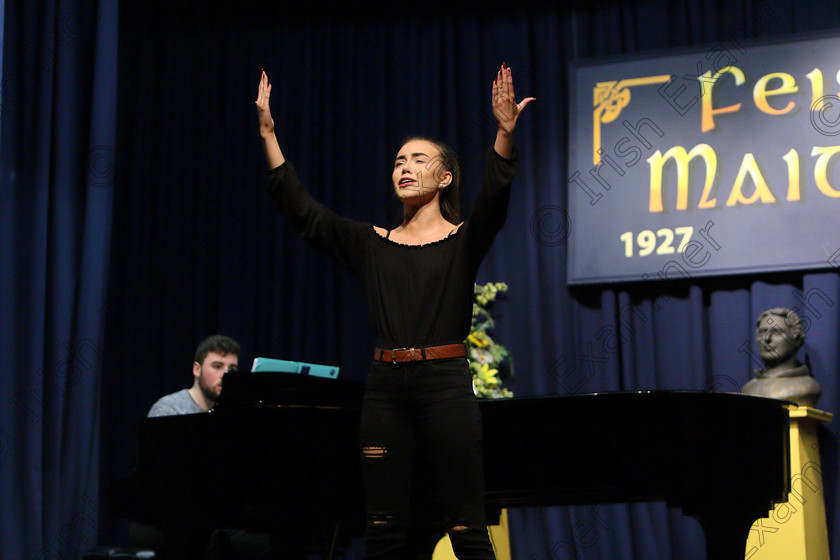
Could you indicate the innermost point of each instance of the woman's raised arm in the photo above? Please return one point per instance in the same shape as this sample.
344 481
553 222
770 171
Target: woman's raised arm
273 154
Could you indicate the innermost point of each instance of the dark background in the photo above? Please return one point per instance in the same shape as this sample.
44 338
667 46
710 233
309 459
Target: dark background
134 222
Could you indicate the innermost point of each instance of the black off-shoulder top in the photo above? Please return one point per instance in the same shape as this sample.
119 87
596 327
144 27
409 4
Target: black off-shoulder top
418 295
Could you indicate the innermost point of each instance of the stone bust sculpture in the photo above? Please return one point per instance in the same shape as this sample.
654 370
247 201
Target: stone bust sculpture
780 334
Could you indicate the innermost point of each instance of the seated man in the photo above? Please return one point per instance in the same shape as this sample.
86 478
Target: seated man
214 356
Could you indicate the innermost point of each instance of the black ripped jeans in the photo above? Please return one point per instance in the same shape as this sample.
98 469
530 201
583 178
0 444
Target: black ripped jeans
422 461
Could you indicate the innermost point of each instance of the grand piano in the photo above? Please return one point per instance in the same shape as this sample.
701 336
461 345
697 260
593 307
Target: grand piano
284 448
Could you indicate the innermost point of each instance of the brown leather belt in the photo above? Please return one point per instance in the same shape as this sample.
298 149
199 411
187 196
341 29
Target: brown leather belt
401 355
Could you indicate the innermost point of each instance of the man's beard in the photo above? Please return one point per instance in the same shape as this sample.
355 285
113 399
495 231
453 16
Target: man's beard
210 393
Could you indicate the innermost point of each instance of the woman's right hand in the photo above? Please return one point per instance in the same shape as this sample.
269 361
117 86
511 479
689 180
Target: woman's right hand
273 154
263 110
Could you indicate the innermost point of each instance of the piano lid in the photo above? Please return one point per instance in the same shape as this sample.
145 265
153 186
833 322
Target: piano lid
682 447
289 446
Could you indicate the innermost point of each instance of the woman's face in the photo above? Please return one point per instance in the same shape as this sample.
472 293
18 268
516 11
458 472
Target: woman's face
418 171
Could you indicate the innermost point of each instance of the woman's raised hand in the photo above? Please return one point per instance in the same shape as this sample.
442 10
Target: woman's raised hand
505 108
273 154
263 110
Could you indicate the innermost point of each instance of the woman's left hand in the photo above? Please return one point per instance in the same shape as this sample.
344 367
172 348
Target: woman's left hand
505 108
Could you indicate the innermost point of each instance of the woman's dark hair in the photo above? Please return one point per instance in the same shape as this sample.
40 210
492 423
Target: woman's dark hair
450 204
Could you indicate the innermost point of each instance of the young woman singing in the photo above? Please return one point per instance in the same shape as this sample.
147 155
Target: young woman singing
419 282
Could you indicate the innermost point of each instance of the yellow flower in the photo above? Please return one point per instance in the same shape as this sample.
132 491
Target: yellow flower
486 374
478 339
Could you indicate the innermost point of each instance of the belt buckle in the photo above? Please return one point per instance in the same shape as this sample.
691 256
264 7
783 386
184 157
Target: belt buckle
411 351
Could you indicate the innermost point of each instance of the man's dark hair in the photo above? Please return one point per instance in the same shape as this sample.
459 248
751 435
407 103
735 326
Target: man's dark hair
218 343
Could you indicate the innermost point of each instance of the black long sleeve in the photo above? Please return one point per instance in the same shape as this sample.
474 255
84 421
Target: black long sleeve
417 294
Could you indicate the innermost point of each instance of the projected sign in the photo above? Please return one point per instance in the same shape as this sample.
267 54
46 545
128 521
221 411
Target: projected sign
717 161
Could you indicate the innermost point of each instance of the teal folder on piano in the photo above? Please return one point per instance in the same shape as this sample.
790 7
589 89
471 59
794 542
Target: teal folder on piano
303 368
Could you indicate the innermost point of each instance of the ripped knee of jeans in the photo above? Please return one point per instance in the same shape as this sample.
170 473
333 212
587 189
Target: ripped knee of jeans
458 529
470 541
380 520
374 453
462 531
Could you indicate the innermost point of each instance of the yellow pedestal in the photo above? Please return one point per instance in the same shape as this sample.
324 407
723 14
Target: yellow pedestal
499 536
797 530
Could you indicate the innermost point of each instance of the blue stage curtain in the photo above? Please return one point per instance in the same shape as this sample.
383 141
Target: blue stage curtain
57 145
